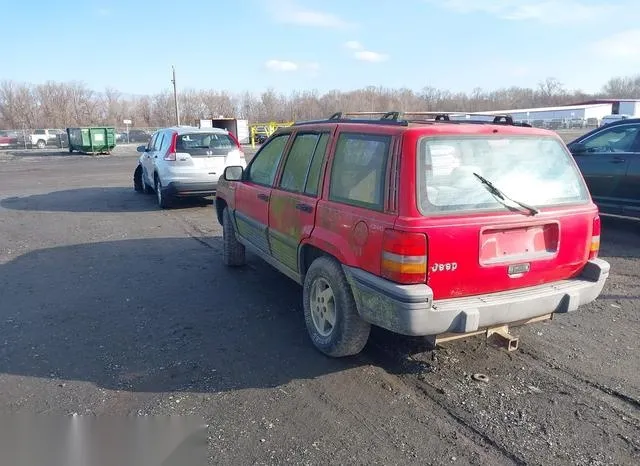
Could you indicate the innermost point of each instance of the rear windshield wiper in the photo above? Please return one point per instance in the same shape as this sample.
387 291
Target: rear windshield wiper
502 197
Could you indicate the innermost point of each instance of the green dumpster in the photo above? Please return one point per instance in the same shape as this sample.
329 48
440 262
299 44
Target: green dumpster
94 140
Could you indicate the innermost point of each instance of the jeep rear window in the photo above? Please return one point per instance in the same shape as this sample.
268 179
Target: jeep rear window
535 170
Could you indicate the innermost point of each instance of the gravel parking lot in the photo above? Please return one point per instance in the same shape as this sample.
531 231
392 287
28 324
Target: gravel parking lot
111 306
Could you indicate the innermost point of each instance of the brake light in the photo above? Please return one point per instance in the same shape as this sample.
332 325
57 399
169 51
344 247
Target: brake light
595 238
404 257
235 140
171 152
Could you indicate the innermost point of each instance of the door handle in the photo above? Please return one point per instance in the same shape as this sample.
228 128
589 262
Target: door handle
263 197
304 207
617 160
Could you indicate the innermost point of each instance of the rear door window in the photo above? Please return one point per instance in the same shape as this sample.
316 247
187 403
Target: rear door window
535 170
205 144
158 142
315 171
359 170
297 169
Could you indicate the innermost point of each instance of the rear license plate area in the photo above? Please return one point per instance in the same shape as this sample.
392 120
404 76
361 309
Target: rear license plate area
519 244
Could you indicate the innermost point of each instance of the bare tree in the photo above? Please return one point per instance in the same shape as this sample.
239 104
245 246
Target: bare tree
54 104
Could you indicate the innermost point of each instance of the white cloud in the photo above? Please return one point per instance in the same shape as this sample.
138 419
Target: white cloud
353 45
361 54
290 66
289 12
620 46
371 57
281 65
566 12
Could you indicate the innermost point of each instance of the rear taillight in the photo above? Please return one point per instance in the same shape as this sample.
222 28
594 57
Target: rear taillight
237 143
404 257
171 152
595 238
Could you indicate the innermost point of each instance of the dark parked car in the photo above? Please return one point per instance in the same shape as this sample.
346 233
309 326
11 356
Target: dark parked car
139 135
609 158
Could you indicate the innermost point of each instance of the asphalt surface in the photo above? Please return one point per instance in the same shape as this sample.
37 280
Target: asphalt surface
110 306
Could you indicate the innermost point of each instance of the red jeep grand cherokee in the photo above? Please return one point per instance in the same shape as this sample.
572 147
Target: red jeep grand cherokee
439 227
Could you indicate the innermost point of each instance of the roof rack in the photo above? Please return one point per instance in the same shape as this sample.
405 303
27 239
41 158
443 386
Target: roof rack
400 118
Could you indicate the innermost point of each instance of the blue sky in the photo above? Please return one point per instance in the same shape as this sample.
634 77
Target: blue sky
252 45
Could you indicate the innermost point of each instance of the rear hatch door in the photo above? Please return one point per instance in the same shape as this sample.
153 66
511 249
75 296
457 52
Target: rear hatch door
534 229
207 154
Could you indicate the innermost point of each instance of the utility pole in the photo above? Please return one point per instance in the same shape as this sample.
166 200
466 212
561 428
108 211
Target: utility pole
175 95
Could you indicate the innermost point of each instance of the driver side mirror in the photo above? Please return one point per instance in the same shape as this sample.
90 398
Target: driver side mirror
578 148
141 148
233 173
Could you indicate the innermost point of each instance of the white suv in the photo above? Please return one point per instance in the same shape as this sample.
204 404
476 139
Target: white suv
185 161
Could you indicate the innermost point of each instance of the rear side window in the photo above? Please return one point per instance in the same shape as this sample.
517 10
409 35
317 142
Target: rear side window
535 170
359 169
306 153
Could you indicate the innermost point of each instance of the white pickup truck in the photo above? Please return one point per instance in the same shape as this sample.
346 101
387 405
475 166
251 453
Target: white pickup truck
40 138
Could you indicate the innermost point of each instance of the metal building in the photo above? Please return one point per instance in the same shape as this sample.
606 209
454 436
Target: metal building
561 117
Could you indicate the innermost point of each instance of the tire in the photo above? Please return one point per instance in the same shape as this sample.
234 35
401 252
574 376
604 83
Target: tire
164 201
41 144
349 333
233 252
138 184
146 188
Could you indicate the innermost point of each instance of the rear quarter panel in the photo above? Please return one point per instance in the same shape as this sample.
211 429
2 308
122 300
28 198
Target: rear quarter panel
353 234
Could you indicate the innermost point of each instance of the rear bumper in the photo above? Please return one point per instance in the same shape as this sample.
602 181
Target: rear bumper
184 189
411 310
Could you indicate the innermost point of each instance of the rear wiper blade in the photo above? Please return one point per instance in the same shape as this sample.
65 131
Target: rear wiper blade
502 197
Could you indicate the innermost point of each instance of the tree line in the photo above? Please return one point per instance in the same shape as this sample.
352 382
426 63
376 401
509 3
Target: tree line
62 104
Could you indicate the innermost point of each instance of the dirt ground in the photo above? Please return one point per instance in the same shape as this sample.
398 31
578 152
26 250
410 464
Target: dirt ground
111 306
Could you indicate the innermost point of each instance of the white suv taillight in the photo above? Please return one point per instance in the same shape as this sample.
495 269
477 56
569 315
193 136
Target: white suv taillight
171 152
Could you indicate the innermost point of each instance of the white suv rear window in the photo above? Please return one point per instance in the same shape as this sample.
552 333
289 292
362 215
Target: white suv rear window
205 143
537 171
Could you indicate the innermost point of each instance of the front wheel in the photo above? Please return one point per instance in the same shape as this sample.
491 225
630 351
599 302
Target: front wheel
233 252
330 312
41 144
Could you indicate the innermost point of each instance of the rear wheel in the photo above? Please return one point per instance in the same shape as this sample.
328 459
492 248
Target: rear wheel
330 312
164 200
41 144
233 252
